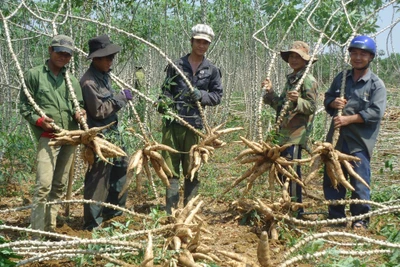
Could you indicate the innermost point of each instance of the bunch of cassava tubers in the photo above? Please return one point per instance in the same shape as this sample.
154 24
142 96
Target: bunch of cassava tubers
266 157
200 153
333 159
93 141
188 240
139 162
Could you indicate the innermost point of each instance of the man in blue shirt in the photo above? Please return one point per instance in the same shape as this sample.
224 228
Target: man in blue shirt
363 105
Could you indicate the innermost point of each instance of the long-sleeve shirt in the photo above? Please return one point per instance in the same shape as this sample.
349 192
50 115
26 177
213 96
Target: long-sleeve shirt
51 94
207 79
366 97
101 102
293 128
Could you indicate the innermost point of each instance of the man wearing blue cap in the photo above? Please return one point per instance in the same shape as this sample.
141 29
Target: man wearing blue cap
363 106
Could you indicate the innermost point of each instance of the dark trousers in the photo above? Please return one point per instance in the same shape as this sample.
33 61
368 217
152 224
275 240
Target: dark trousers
361 191
295 190
182 139
103 182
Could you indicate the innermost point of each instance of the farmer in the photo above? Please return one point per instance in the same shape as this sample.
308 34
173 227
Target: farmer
206 80
302 105
103 181
46 84
363 106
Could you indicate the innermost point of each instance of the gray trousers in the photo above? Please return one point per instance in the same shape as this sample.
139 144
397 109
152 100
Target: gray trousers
53 168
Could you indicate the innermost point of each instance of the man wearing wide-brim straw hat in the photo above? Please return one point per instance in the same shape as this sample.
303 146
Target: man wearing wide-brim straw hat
301 48
103 181
302 105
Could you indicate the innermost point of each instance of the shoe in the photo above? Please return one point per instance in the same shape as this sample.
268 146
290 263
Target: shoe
92 227
360 225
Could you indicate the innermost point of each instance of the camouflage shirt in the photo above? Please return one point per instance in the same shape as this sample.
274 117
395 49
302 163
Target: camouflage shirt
294 125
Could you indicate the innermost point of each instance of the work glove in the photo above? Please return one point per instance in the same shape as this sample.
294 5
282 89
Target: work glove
195 95
127 93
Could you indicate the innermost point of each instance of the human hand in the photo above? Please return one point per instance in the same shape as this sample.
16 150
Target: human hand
127 93
338 103
47 124
293 96
195 95
77 115
267 85
340 121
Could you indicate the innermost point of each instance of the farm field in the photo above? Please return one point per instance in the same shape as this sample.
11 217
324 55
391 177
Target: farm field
228 227
231 223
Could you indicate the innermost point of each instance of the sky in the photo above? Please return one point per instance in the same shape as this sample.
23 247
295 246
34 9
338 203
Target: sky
386 17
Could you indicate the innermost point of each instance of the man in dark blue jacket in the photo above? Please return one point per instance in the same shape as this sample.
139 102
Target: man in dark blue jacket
206 80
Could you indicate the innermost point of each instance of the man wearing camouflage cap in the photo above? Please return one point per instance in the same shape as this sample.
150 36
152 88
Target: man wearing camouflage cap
302 105
46 84
206 80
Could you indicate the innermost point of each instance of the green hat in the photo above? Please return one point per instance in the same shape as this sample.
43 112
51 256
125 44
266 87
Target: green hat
62 43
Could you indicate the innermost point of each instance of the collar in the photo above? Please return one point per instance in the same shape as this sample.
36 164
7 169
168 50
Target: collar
365 77
98 74
294 77
204 64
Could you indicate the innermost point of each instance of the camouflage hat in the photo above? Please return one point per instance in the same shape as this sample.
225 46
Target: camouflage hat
299 47
202 31
62 43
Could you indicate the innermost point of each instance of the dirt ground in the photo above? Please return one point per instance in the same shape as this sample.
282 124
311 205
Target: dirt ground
226 228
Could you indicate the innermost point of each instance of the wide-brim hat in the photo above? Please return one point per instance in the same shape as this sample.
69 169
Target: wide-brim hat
101 46
301 48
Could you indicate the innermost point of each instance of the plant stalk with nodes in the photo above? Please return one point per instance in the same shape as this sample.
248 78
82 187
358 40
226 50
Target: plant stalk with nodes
94 144
208 139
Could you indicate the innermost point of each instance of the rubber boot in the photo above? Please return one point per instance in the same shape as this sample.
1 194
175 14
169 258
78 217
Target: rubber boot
172 195
191 189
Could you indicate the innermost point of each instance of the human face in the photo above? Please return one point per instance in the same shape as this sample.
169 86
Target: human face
199 46
58 59
103 64
360 58
296 62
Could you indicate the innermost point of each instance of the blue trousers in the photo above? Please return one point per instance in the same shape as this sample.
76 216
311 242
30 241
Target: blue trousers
361 191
